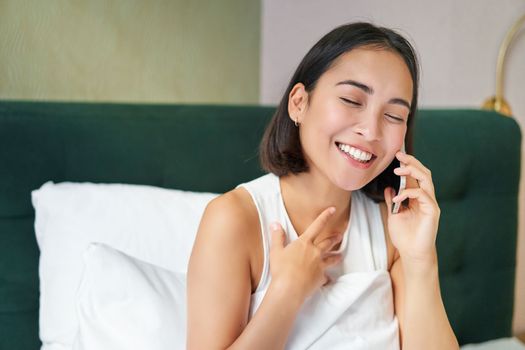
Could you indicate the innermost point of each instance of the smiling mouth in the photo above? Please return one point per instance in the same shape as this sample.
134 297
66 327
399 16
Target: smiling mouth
356 154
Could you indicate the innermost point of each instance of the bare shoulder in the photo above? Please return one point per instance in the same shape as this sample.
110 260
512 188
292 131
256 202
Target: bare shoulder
240 213
391 250
227 223
234 210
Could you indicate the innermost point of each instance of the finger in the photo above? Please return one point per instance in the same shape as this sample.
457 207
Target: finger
424 179
388 193
318 224
332 260
411 160
277 236
421 196
327 279
328 243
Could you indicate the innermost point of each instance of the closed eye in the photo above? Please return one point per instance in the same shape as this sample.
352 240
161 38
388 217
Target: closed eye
352 102
395 118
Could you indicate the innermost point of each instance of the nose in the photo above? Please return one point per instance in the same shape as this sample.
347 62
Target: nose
370 127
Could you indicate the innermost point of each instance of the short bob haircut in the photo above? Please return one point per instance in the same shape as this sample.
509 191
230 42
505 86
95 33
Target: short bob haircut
280 148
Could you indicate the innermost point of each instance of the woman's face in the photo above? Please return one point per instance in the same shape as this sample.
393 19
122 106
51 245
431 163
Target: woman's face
360 104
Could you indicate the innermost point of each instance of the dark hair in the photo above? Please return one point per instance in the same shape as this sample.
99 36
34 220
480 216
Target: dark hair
280 148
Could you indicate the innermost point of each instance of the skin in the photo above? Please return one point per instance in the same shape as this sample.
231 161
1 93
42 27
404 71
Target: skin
368 109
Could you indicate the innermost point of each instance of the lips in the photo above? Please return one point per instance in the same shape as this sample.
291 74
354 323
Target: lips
357 152
362 161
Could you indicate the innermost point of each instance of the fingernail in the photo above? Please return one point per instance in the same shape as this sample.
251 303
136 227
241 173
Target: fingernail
274 226
331 210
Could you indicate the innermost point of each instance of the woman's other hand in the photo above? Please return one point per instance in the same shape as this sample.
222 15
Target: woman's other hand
299 267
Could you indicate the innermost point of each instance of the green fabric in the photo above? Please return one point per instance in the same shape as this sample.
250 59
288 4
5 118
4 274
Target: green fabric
474 156
475 161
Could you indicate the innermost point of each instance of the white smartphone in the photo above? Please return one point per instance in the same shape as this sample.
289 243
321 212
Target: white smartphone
402 186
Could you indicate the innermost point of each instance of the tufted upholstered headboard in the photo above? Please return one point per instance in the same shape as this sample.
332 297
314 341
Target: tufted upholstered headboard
474 157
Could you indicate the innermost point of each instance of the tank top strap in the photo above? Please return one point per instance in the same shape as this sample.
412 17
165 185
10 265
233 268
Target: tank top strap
370 214
265 193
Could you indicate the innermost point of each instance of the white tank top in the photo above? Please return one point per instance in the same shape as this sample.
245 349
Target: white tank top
356 310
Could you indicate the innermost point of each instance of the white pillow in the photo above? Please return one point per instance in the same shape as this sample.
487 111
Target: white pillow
154 224
126 304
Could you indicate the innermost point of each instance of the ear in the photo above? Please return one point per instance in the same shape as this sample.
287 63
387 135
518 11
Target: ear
297 102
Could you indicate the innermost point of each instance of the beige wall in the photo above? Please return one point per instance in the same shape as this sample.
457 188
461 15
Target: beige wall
457 42
142 51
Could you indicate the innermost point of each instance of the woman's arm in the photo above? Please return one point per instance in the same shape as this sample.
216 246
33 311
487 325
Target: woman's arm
417 298
219 287
422 318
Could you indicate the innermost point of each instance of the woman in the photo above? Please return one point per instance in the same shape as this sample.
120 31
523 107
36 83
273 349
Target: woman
311 255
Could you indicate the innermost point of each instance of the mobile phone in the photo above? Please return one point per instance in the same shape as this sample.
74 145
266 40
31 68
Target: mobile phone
402 186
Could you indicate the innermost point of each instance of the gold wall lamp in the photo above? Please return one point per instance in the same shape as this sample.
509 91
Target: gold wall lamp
498 103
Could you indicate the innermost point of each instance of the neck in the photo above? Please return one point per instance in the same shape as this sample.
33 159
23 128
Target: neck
307 194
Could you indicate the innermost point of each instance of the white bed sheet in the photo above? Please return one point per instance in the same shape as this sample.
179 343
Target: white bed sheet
497 344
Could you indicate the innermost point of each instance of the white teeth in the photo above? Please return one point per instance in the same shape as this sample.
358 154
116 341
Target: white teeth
359 155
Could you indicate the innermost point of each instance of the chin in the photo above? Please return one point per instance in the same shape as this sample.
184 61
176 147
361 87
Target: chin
352 183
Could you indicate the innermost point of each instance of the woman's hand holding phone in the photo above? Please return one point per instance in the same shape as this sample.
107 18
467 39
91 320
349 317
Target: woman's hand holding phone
413 230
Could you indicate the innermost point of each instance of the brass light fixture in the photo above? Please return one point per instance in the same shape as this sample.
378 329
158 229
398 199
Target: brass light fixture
498 103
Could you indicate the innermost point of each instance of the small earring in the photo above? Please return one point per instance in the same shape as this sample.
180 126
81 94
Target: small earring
295 122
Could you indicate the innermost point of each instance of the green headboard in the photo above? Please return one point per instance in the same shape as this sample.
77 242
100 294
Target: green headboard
474 157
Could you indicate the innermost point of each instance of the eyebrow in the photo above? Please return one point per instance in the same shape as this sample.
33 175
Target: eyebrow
369 91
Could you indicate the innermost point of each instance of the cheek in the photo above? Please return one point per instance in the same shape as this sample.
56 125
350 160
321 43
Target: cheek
327 122
396 139
393 144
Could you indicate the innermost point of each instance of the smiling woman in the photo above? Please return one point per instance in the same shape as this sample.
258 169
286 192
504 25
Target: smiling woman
363 112
307 255
344 54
